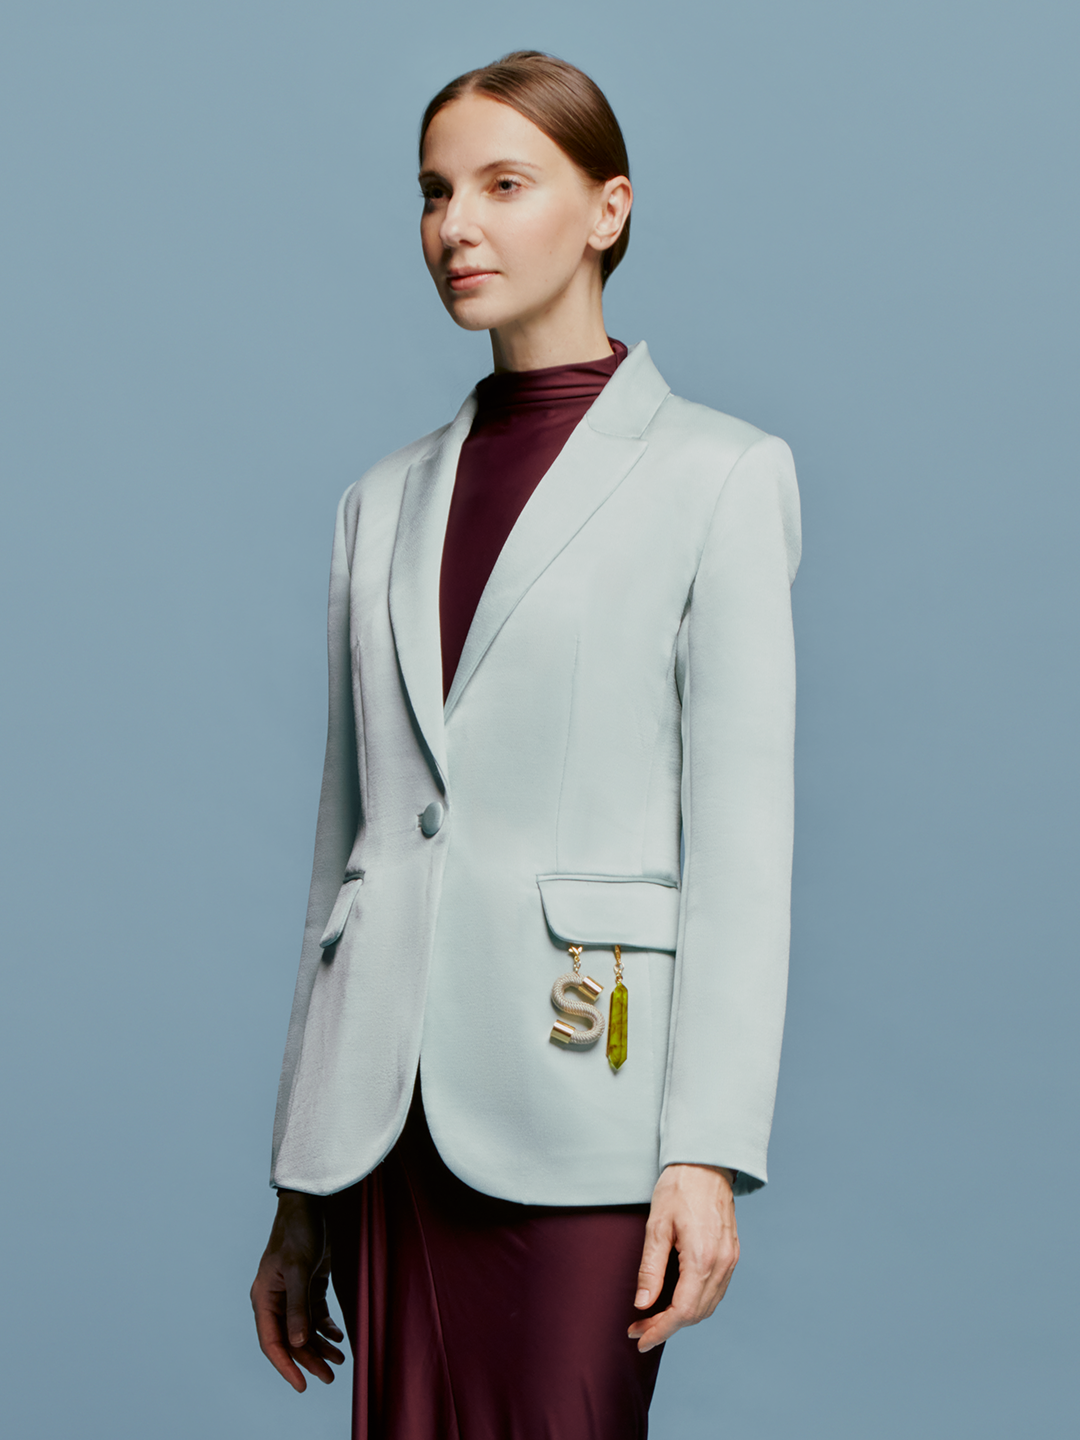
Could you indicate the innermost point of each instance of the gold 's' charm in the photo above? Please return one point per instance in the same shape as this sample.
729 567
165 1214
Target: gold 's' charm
584 1010
618 1018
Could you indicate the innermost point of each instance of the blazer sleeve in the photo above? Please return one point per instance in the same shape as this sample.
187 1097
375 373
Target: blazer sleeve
737 680
339 810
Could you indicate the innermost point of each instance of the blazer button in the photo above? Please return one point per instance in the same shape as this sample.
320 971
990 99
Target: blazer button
432 818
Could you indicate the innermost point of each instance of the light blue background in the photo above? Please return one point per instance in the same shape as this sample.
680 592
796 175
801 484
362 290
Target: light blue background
856 226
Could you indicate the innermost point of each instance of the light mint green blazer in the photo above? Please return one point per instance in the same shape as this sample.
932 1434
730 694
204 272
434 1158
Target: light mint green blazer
628 678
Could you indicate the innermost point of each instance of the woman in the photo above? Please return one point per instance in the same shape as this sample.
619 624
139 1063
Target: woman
526 1185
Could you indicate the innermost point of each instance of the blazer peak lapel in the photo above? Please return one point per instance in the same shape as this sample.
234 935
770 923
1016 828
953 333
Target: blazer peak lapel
600 453
414 581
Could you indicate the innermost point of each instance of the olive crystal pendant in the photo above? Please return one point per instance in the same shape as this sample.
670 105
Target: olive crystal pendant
617 1029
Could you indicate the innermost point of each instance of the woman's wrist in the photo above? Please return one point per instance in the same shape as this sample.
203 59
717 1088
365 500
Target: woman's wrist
298 1200
726 1171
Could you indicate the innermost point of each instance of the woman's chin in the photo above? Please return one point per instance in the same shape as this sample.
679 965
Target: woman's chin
471 313
470 322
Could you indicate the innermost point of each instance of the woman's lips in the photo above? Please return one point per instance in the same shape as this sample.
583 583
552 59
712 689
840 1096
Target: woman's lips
469 282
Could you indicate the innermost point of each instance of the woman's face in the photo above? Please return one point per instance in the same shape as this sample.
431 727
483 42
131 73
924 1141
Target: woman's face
511 227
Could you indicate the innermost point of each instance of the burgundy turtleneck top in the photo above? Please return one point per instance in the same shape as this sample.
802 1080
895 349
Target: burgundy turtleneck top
523 420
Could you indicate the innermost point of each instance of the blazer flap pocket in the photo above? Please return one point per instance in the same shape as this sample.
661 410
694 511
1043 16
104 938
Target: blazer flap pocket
611 910
341 911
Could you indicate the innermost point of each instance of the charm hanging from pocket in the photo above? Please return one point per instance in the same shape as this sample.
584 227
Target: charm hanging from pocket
617 1022
584 1010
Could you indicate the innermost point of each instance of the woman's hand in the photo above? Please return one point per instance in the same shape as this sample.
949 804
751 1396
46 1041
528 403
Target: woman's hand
289 1293
693 1211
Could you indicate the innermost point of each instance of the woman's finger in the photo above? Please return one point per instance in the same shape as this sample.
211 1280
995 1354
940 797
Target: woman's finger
297 1312
304 1318
327 1327
686 1308
654 1260
322 1321
706 1264
328 1350
268 1304
315 1363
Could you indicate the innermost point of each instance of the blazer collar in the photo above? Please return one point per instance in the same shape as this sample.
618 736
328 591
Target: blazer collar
630 399
599 454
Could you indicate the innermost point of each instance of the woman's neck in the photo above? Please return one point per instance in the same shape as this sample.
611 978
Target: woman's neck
570 331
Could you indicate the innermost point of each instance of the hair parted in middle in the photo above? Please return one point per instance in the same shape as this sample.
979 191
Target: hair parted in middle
565 104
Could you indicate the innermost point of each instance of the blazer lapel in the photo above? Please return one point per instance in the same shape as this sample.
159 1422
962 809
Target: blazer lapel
414 581
599 454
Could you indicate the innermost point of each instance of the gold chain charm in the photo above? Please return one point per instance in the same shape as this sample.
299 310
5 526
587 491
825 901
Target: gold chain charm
617 1024
585 1010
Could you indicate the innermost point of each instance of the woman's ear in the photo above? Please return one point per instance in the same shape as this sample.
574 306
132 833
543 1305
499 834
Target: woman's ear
615 199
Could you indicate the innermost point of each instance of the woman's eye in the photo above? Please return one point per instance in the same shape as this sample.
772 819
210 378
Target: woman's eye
506 185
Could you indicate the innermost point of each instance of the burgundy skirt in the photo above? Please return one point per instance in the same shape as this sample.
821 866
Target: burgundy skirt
472 1318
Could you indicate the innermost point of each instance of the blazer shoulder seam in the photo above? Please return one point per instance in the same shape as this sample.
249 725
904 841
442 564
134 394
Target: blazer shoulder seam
763 438
402 458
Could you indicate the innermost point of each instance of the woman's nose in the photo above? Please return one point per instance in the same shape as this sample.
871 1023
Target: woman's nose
460 226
